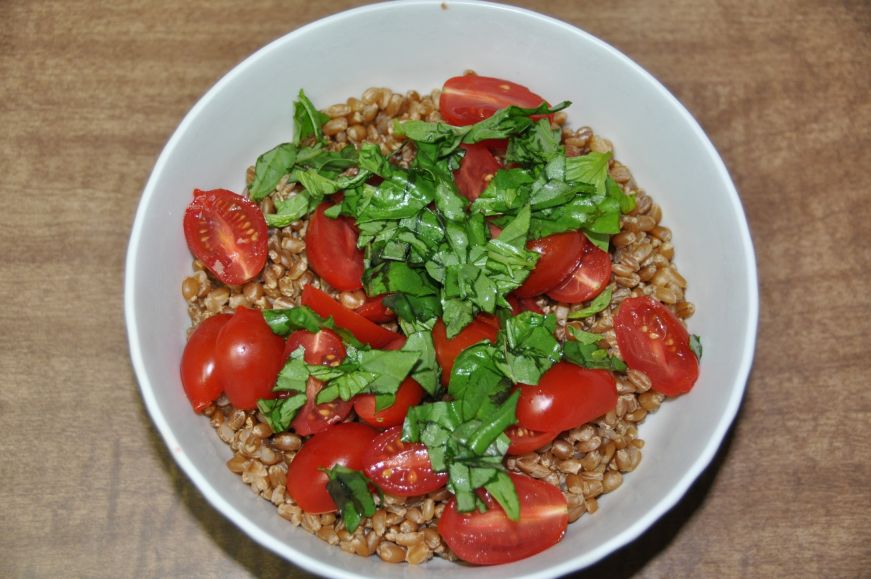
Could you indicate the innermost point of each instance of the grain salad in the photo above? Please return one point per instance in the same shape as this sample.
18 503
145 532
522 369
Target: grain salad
590 332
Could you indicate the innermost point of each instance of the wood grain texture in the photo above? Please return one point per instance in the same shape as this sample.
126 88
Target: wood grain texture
90 92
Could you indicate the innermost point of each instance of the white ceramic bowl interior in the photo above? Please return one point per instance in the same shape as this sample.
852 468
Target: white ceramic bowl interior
416 45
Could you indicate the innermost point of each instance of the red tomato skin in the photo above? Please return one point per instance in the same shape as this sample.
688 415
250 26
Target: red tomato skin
324 347
198 378
374 310
401 468
343 444
666 358
409 394
588 280
227 233
520 305
567 396
476 170
363 329
491 538
560 255
524 441
447 350
468 99
331 248
248 357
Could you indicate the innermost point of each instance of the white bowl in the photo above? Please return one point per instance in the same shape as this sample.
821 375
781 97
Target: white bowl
417 45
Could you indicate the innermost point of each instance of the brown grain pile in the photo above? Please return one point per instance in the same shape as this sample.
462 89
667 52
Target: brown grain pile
585 462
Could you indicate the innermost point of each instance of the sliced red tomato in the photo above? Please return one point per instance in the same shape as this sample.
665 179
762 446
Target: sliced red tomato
198 378
520 305
409 394
374 310
248 357
466 100
589 278
491 538
344 444
227 233
560 255
476 170
363 329
651 339
448 350
524 441
566 396
331 248
401 468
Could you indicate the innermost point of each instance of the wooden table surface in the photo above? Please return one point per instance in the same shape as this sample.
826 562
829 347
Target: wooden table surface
91 91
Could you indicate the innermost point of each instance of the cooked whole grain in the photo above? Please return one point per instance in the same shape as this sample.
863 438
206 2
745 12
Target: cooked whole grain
585 462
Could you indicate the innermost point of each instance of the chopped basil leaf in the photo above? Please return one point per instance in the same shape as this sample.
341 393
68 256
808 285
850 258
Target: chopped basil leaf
528 346
597 305
349 489
270 167
294 208
419 341
285 321
591 168
696 346
307 120
378 372
280 412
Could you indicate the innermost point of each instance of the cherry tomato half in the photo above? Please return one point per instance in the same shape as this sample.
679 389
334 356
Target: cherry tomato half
363 329
587 280
226 232
344 444
326 348
476 170
331 248
524 441
248 357
566 396
198 377
448 350
652 340
374 310
468 99
401 468
560 255
409 394
491 538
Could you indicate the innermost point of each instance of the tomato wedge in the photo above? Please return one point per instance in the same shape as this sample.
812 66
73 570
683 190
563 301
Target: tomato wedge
401 468
651 339
198 378
566 396
345 444
476 170
468 99
560 255
587 280
491 538
248 357
227 233
524 441
363 329
331 248
326 348
447 350
409 394
374 310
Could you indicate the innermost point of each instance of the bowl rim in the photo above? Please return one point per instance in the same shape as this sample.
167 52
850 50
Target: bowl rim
313 564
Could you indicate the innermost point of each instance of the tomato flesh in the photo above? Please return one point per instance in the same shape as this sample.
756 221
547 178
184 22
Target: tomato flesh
363 329
409 394
401 468
491 538
653 340
343 444
468 99
374 310
520 305
524 441
476 170
560 255
248 357
198 378
588 280
447 350
566 396
227 233
331 248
